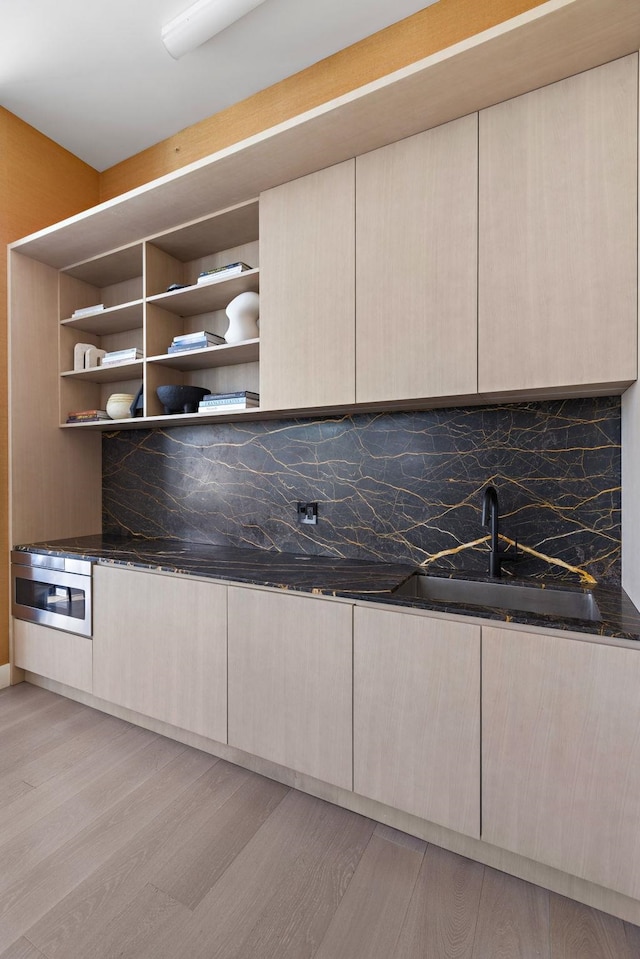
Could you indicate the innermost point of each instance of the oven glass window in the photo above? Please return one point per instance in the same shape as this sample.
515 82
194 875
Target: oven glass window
64 600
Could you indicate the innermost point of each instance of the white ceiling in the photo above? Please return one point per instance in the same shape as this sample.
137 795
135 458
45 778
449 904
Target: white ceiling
94 75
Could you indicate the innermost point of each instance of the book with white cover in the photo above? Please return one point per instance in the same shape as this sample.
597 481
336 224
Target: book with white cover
87 310
223 272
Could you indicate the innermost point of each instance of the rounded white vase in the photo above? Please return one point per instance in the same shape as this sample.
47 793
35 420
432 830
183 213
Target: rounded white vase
119 406
243 313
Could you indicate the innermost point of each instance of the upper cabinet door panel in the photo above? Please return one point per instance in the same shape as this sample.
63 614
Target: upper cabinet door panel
558 234
307 291
416 266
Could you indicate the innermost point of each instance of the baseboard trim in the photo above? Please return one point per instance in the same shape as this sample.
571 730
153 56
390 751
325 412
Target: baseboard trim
5 675
615 903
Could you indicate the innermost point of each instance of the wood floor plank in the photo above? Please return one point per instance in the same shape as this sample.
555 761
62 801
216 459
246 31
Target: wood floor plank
35 732
297 833
42 801
22 949
12 790
443 913
149 911
29 772
295 920
22 700
578 932
72 928
370 916
513 921
400 838
70 751
190 874
60 728
38 890
33 845
633 939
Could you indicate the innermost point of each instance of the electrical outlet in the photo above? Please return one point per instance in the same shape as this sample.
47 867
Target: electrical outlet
308 513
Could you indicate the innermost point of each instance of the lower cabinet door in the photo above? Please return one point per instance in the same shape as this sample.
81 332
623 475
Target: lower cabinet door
160 647
416 735
54 654
561 754
290 675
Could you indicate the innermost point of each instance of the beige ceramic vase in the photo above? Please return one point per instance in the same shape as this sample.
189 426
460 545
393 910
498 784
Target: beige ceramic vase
119 406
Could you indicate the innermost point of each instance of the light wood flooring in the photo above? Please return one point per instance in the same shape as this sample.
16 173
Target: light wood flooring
116 842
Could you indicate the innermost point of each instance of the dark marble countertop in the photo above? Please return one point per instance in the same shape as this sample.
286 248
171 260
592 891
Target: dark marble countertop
326 575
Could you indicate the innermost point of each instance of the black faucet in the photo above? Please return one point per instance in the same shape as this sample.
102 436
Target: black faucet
490 517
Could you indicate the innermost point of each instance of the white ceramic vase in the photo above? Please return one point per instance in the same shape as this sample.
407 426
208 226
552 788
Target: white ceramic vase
119 406
243 313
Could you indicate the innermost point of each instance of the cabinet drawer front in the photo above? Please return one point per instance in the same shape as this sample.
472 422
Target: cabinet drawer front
417 716
64 657
160 648
561 754
290 677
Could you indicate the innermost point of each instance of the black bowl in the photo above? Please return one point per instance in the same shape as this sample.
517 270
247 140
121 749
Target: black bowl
181 399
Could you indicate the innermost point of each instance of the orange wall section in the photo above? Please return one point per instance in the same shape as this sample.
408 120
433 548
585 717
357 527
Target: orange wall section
434 28
40 183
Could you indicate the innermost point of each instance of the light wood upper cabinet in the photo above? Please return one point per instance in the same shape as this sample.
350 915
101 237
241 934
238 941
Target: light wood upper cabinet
561 754
290 675
558 234
417 716
416 266
160 648
307 295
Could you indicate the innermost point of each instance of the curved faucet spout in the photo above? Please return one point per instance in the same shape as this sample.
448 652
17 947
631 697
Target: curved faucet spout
491 517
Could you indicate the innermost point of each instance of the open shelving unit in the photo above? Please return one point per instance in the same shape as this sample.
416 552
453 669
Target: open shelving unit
139 311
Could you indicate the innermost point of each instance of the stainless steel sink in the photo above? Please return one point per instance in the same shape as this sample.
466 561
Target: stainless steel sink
569 603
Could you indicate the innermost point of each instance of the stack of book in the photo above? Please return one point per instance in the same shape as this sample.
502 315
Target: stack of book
229 402
87 311
88 416
195 341
121 356
223 272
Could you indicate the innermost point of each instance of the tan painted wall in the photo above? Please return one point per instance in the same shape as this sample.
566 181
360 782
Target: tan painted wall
40 183
432 29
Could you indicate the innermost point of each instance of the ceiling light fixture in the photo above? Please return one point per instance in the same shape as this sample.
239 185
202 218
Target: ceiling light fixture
201 21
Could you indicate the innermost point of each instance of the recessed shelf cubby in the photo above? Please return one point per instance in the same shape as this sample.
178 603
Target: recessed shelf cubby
140 312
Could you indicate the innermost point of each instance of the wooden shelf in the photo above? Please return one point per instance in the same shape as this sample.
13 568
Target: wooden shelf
206 297
231 354
177 419
116 267
108 374
229 228
117 319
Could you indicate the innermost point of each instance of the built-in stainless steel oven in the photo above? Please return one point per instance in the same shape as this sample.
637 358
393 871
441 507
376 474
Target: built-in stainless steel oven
52 590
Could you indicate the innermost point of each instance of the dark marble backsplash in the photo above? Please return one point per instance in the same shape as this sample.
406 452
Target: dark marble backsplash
392 486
